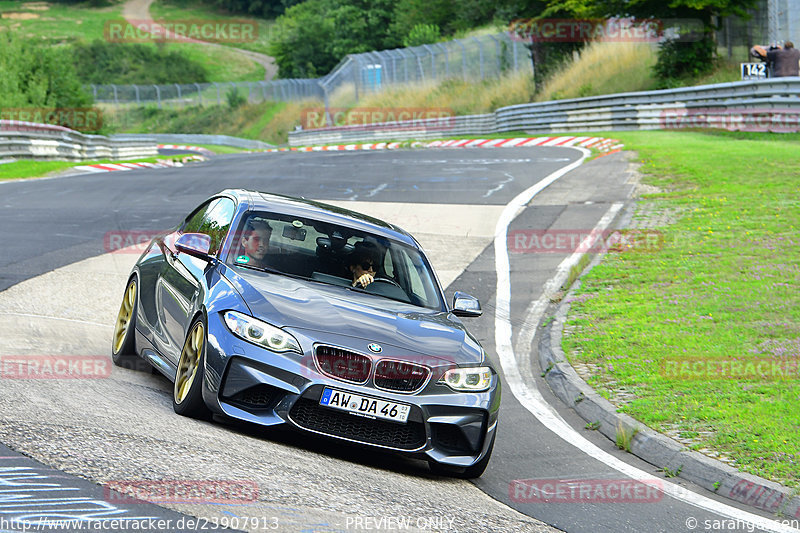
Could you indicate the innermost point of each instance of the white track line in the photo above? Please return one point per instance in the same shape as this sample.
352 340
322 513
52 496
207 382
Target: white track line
530 397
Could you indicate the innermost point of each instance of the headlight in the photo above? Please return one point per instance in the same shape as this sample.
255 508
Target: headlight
474 379
261 333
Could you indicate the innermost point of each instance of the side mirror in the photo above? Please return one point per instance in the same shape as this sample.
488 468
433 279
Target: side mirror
195 244
466 305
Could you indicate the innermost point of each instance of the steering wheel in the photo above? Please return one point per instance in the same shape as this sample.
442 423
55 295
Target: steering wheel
387 280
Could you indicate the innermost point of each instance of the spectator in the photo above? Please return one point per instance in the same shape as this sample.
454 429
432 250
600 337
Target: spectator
785 61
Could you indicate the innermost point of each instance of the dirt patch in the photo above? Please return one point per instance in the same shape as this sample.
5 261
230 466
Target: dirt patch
36 6
19 16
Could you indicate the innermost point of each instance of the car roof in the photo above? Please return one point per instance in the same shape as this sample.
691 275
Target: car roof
304 207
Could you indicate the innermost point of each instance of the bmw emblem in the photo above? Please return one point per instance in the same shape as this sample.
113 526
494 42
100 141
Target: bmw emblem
375 347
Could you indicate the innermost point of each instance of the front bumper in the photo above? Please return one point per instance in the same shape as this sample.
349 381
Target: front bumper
250 383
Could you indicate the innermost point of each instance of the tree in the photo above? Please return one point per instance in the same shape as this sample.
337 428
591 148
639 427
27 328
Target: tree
313 36
692 53
33 75
410 13
301 45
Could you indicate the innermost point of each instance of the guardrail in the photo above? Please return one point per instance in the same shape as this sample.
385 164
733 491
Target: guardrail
760 105
45 141
195 138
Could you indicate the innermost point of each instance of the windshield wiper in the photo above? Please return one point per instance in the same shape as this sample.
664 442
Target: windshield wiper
364 291
271 270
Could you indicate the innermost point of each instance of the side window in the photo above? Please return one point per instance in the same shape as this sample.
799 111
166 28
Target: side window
213 219
217 221
417 286
388 266
192 224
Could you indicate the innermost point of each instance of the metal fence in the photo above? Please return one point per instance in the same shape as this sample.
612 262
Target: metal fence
216 93
769 22
482 57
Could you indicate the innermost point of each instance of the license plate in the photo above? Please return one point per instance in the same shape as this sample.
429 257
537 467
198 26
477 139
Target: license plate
364 405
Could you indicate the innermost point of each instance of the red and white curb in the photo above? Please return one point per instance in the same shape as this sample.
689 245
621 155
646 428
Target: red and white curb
187 147
599 143
111 167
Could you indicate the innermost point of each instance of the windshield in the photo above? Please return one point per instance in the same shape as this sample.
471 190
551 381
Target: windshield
335 255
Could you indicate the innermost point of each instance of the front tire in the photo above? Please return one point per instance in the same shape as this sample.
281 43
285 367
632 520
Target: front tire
187 395
123 344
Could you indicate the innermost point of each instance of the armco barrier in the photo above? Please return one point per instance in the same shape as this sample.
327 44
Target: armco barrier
762 105
28 140
196 138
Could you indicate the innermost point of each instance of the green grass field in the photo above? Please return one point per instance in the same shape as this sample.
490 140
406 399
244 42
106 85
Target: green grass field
221 149
56 23
170 11
723 289
61 23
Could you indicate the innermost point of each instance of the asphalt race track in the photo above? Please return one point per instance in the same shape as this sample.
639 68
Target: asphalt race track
60 289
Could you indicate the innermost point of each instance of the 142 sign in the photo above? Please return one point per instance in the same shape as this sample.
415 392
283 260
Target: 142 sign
754 71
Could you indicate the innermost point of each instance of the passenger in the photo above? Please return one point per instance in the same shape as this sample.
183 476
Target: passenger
255 243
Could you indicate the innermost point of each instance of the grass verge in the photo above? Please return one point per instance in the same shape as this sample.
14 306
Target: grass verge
221 149
38 169
171 10
724 289
459 96
602 68
266 121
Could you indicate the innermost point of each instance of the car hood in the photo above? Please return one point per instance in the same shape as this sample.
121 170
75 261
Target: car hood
297 304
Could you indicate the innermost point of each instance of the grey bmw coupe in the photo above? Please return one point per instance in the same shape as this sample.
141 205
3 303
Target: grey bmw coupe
282 311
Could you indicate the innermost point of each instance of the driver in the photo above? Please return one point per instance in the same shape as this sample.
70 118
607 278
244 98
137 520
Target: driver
362 264
255 242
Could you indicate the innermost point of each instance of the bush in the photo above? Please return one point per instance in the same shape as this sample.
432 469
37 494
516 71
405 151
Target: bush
101 62
422 34
235 98
34 75
680 59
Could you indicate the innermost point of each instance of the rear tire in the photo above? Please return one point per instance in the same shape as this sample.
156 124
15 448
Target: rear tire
123 344
187 394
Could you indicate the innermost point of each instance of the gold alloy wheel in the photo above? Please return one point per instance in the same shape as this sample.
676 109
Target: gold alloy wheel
189 362
124 316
